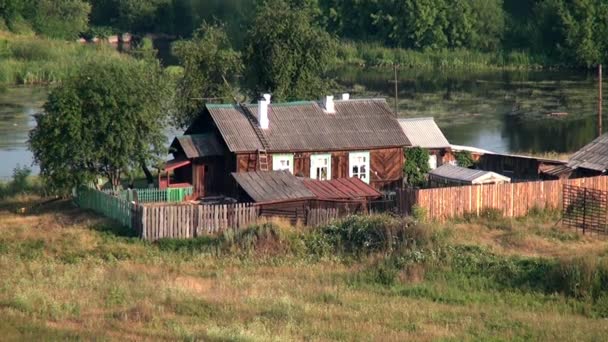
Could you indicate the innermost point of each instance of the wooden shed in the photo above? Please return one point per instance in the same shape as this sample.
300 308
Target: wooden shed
451 175
280 193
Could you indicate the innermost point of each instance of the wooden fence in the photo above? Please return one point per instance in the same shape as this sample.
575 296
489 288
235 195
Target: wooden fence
110 206
513 200
318 217
191 220
153 195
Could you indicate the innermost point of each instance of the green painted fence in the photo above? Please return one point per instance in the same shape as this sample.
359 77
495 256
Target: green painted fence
171 195
116 208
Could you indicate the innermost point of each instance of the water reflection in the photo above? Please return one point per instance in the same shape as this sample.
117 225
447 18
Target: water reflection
500 111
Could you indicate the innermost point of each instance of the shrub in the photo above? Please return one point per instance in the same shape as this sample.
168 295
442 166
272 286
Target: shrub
464 159
381 233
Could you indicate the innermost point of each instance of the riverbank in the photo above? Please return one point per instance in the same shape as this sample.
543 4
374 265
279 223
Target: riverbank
33 60
67 274
375 55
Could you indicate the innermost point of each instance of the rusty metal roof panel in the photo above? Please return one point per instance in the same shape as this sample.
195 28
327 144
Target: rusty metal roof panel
341 189
200 145
424 132
593 156
272 186
305 126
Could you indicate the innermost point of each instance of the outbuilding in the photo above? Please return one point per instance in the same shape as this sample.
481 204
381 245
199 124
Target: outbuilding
451 175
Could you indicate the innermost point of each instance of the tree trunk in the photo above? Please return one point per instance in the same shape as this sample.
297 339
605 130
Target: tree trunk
148 174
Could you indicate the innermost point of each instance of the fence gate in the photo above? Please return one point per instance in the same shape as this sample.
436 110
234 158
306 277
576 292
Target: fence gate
585 209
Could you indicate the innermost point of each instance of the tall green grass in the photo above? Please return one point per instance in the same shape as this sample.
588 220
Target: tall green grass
373 54
27 60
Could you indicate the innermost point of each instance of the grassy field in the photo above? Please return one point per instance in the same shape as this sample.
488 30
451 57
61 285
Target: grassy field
67 274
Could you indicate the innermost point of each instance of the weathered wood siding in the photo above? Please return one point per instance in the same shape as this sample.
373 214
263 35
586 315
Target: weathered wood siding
386 165
513 200
183 221
516 167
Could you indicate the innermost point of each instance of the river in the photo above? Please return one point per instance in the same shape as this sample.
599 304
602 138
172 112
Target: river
498 111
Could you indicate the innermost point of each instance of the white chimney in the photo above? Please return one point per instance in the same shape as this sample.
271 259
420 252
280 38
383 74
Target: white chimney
328 103
263 111
345 96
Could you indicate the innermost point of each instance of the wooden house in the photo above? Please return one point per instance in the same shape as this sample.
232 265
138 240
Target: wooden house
424 133
323 140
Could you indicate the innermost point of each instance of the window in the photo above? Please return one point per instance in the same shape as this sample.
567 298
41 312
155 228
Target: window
282 162
320 166
358 163
433 161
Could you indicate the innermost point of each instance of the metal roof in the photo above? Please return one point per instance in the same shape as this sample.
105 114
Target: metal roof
423 132
461 174
272 186
305 126
556 170
199 145
593 156
341 189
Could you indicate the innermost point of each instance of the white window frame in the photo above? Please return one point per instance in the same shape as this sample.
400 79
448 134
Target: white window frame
319 161
278 162
433 161
354 160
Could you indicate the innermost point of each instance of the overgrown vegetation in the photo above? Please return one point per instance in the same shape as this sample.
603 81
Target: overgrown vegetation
34 60
416 166
82 277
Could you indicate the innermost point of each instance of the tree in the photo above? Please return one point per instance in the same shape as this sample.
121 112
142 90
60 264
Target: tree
416 166
107 120
64 19
210 64
584 25
287 53
464 159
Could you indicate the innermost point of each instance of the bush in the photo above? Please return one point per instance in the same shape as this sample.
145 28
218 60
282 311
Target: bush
361 235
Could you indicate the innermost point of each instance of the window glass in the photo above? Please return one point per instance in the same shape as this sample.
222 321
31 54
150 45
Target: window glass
320 166
359 165
282 162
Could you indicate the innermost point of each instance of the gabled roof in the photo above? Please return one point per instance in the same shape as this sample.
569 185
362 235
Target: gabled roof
423 132
199 145
341 189
305 126
272 186
464 175
593 156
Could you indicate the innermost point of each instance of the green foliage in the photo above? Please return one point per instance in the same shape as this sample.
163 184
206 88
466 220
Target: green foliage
22 183
106 120
464 159
476 24
363 235
64 19
416 166
287 53
210 68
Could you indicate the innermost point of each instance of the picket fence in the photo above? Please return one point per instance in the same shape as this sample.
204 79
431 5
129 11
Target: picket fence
512 199
157 221
105 204
153 195
318 217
